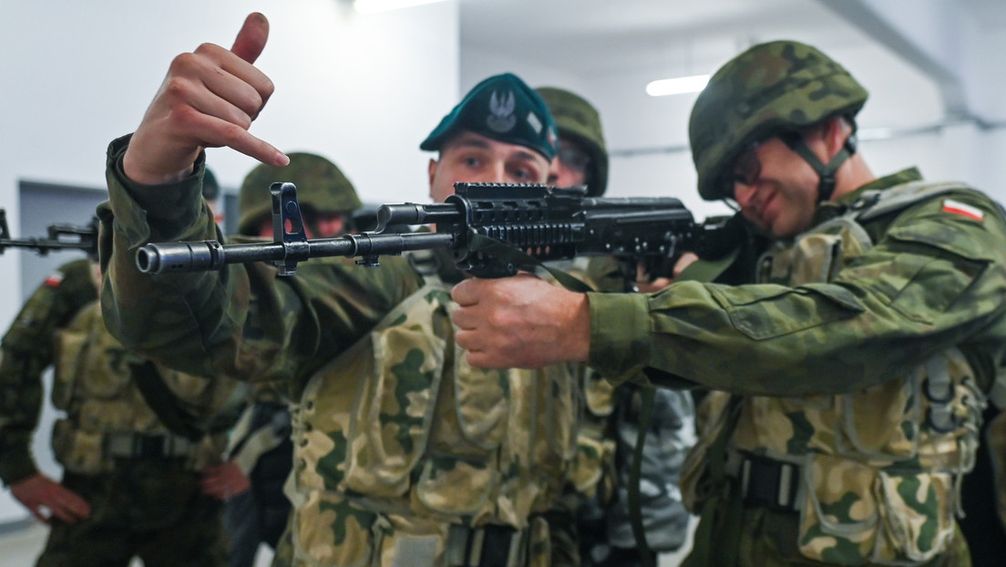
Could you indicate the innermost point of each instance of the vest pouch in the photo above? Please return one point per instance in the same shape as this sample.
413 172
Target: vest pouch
104 367
881 423
558 397
455 486
917 516
79 451
839 519
70 345
481 401
390 419
327 531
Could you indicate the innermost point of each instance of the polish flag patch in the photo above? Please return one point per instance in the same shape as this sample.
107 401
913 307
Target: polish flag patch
958 208
53 280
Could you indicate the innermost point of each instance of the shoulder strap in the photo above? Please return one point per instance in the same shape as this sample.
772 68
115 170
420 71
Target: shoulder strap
165 404
875 203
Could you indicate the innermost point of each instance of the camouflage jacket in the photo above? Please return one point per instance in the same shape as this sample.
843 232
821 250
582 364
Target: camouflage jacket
398 443
874 440
28 349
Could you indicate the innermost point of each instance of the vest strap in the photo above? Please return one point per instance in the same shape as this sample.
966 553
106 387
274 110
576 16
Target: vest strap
770 483
129 445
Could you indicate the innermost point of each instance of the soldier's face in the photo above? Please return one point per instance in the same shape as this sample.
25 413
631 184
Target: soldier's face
775 188
474 158
569 168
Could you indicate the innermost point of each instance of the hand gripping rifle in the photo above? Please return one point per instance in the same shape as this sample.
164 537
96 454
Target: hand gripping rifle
60 237
493 229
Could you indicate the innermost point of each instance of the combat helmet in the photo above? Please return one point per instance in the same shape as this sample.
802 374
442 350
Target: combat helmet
770 89
321 187
578 121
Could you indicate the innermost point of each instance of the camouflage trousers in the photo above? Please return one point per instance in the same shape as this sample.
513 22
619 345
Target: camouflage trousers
153 510
768 538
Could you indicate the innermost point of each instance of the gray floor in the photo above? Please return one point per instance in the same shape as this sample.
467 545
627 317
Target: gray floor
19 548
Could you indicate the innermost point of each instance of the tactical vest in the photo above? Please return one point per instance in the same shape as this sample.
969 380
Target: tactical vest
873 474
106 415
403 451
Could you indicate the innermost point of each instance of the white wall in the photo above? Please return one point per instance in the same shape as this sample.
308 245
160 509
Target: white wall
363 90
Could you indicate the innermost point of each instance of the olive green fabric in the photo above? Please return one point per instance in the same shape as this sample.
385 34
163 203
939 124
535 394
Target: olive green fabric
502 108
770 88
929 291
396 437
578 121
153 510
211 189
28 349
321 188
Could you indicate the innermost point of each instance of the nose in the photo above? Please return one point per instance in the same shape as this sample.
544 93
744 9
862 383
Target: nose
743 194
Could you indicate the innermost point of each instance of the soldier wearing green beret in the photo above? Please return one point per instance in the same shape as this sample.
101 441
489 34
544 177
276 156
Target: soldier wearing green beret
130 483
260 452
403 453
609 433
854 366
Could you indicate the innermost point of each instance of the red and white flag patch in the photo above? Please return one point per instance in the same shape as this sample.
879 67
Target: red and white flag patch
958 208
53 280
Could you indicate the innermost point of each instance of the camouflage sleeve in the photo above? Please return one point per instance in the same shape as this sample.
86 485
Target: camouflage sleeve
934 280
27 350
242 322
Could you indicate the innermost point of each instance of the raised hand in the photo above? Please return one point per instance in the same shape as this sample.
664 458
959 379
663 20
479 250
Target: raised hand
209 98
47 499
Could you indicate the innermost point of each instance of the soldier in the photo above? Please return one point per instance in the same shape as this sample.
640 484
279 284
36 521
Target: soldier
130 486
609 435
403 453
260 452
857 364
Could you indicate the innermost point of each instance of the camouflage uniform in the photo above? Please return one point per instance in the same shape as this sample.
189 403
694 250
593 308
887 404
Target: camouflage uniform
609 431
139 479
403 454
857 366
260 444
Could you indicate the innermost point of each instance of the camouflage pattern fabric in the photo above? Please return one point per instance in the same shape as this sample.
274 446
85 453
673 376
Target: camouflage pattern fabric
154 510
770 88
28 349
399 444
995 438
321 187
835 365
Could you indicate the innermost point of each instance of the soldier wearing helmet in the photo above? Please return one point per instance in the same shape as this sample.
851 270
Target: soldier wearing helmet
327 198
849 373
607 438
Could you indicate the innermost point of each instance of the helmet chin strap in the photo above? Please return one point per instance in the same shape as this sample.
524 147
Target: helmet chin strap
826 173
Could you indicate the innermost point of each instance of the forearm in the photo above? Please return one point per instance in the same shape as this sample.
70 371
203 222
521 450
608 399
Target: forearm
20 405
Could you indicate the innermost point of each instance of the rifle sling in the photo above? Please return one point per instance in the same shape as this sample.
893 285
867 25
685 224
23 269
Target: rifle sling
164 403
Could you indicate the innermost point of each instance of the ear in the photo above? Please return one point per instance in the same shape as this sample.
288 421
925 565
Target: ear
431 171
834 132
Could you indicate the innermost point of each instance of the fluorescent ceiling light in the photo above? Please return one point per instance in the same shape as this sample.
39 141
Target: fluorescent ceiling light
678 85
375 6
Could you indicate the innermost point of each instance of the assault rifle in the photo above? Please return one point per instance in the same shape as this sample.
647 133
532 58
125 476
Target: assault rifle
60 237
493 229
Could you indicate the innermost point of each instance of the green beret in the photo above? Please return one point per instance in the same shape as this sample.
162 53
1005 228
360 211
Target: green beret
579 122
502 108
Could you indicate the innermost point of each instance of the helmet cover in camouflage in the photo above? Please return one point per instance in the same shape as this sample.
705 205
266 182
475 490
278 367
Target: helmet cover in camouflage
579 122
321 187
770 88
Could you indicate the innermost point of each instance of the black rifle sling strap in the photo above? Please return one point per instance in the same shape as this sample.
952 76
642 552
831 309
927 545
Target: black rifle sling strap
164 403
700 271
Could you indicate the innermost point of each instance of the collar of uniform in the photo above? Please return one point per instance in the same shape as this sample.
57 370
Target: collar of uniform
832 209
